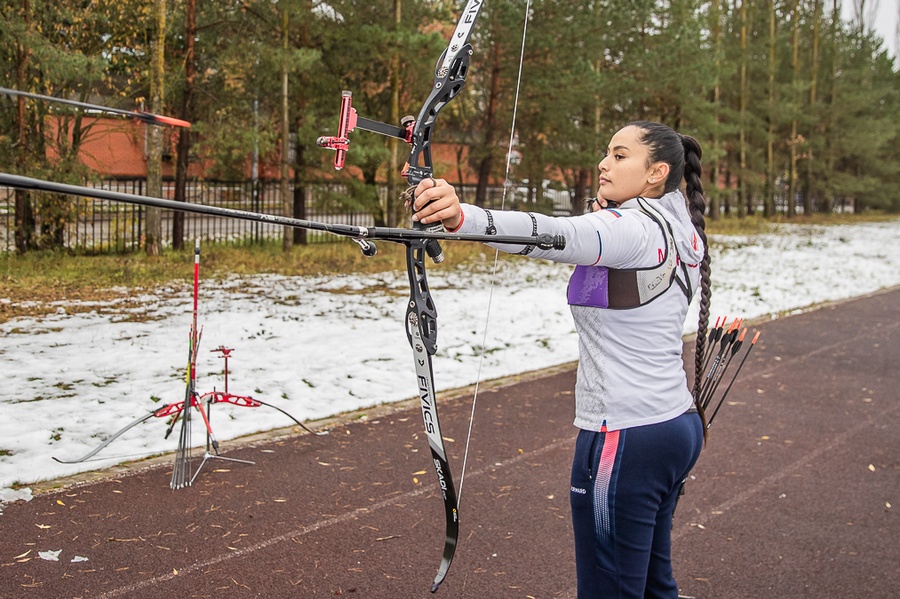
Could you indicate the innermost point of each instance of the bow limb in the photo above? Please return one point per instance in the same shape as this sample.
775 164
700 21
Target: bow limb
245 401
160 412
300 424
421 330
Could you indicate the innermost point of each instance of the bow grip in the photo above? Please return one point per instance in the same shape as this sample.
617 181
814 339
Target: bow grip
414 175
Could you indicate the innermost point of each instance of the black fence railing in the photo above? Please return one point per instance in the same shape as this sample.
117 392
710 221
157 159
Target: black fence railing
93 225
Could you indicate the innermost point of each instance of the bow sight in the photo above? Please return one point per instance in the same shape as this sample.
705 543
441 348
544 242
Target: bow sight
350 120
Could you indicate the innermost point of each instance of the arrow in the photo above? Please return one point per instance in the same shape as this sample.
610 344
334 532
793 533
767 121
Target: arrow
147 117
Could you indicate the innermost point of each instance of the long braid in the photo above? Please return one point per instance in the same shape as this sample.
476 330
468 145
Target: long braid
682 153
697 205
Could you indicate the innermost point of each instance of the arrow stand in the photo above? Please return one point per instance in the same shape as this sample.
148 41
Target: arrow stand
181 471
183 474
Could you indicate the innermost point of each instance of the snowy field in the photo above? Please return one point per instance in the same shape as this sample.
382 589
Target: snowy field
318 346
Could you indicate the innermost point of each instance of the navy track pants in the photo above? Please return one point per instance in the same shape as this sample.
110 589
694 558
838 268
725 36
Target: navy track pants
624 487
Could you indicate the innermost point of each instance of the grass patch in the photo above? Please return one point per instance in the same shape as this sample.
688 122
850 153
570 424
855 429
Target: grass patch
30 282
33 274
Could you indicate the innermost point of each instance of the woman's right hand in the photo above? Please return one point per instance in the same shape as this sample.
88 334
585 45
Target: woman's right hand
600 203
436 200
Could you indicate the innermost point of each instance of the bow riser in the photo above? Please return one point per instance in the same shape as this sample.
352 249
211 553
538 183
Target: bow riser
444 90
449 78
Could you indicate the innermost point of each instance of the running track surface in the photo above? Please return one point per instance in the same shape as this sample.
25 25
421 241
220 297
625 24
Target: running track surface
796 495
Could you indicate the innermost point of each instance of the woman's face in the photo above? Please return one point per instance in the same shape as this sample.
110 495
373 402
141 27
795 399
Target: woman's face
626 173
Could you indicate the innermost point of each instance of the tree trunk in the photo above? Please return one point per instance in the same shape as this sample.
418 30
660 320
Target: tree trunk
795 103
583 183
769 199
810 188
485 166
829 197
184 134
716 29
744 198
299 199
24 212
392 208
299 202
598 115
286 198
153 231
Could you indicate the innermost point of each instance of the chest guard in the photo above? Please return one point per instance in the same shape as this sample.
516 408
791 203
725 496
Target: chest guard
623 289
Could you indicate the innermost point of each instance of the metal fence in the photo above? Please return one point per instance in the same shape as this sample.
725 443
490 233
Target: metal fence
93 225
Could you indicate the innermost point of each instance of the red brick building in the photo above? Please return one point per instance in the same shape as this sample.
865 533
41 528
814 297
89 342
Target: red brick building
117 148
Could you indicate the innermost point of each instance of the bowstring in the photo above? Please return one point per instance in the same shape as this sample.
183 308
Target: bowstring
506 183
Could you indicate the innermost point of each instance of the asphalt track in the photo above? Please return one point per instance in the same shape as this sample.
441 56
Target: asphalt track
796 494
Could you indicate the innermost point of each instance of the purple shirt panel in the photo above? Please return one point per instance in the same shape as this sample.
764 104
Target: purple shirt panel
589 286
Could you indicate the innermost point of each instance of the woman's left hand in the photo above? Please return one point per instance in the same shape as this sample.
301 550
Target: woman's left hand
436 200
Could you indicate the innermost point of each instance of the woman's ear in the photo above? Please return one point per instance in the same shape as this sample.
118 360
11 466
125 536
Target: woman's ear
658 172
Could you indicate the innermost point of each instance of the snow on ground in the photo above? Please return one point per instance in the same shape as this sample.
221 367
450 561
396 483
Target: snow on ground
318 346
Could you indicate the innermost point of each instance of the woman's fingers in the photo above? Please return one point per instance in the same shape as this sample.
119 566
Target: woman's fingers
429 190
434 201
418 200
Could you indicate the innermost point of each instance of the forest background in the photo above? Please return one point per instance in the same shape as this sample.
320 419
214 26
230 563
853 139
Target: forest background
794 106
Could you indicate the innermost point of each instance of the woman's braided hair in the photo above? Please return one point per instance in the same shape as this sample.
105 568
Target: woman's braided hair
682 153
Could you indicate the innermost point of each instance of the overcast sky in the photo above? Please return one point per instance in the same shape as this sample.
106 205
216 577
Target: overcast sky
883 20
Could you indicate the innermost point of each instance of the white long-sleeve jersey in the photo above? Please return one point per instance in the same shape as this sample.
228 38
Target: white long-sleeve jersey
630 371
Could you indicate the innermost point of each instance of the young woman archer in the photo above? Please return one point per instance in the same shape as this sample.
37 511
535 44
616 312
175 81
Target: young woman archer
639 257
